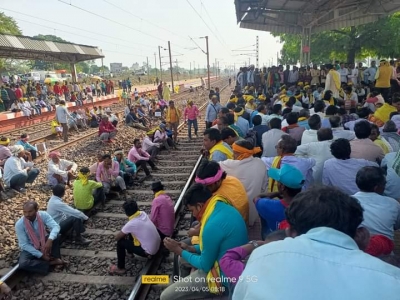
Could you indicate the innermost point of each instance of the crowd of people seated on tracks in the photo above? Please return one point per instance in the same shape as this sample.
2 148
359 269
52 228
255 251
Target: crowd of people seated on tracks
318 170
321 176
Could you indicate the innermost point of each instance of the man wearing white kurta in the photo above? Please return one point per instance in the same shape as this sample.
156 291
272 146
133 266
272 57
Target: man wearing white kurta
250 171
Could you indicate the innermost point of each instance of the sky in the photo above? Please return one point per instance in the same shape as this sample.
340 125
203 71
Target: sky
129 31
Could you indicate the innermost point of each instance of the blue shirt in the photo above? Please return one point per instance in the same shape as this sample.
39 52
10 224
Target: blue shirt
26 145
322 264
325 123
271 212
260 130
212 112
342 173
304 124
231 232
243 124
24 241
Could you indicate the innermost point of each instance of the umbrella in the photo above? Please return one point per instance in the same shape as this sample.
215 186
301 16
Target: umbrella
50 80
96 78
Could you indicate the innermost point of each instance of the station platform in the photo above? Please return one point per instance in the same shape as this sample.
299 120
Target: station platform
11 121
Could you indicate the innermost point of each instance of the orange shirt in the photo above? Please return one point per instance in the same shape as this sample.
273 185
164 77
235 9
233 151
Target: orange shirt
172 116
233 190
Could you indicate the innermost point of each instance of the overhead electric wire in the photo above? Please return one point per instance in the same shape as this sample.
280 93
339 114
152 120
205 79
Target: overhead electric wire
75 34
151 23
113 21
204 23
215 27
81 29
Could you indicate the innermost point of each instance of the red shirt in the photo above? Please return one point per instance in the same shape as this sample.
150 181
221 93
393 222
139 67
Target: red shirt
64 89
18 93
57 89
106 127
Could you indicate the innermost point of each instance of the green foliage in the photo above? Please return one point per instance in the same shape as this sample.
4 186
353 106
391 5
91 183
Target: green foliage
7 26
380 39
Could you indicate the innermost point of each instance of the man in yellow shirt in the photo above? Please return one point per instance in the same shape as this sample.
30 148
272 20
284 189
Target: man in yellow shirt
173 116
383 76
87 192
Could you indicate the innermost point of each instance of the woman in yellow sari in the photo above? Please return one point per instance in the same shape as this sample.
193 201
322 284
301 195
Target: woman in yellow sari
222 228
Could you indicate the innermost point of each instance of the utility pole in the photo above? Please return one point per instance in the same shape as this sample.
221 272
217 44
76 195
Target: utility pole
102 66
159 55
218 71
177 70
148 70
155 63
257 52
208 64
190 71
170 65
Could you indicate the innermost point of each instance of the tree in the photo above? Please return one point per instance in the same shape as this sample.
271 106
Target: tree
379 39
7 26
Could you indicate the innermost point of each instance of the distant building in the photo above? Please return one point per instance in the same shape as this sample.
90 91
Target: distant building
116 67
135 67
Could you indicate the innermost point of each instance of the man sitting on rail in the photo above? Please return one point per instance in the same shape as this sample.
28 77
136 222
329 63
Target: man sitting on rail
23 141
113 118
39 250
107 131
161 136
133 120
5 152
222 228
162 211
249 170
18 172
150 147
87 192
108 174
322 247
67 217
93 168
60 170
213 144
139 236
141 158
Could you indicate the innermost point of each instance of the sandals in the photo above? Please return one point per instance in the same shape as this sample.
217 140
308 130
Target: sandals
114 270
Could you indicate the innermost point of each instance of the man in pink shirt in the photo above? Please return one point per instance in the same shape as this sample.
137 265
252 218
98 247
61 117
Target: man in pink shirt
108 174
139 236
162 211
191 113
141 158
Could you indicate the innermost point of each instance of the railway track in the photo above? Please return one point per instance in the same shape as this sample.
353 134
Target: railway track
87 274
41 132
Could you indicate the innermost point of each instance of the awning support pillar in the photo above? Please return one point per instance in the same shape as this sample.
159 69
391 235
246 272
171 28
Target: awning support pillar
73 72
305 48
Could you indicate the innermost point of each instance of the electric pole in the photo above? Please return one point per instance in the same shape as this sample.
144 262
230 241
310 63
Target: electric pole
257 52
190 71
148 70
159 55
155 63
208 63
177 70
170 65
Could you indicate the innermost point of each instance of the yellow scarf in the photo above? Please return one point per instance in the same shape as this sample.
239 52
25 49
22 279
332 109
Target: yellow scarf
214 273
135 240
301 119
276 163
383 113
238 114
222 148
83 178
177 112
336 78
159 193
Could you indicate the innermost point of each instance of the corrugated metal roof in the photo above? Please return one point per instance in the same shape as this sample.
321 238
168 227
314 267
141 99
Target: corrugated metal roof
25 47
279 16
